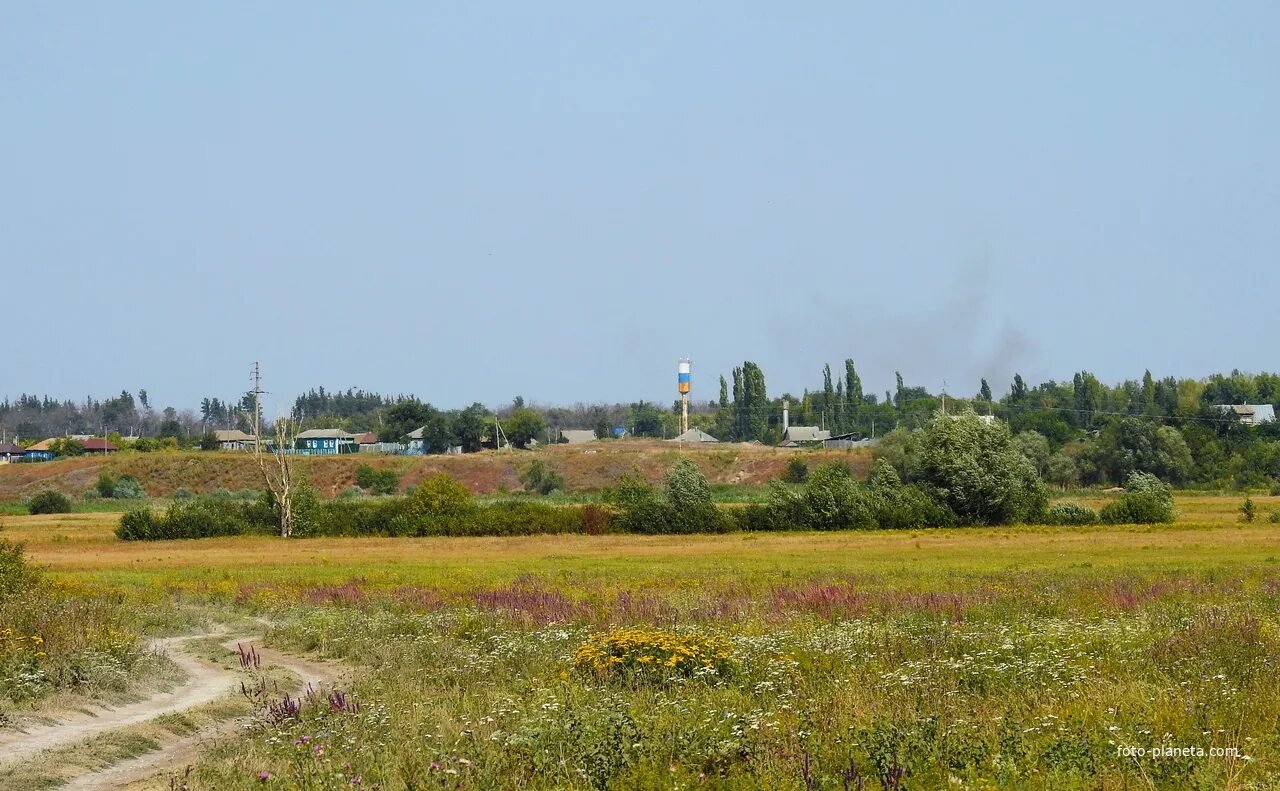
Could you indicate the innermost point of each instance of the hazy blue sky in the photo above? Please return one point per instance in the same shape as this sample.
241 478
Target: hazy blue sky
470 201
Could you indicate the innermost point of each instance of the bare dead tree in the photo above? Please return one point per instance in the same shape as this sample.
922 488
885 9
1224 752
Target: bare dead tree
276 468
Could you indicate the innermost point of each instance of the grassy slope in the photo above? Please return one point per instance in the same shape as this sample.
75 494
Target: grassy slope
584 467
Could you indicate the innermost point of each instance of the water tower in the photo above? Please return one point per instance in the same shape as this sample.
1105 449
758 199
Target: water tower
682 383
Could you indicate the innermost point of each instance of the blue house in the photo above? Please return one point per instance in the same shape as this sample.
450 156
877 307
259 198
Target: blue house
326 442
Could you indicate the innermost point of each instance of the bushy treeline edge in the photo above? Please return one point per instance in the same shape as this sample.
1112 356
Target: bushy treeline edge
968 472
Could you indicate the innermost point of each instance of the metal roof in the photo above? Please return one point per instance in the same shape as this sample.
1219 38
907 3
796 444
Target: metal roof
575 435
232 435
326 433
694 435
805 434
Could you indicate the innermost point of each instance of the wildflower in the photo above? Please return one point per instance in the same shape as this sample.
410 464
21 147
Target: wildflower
264 777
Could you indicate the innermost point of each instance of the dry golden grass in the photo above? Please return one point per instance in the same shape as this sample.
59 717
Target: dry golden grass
82 547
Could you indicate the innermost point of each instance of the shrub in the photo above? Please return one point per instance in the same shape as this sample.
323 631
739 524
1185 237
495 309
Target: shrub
540 478
1070 514
197 518
377 481
1275 516
1248 511
797 470
519 519
221 494
975 467
637 506
1146 500
1275 490
138 525
127 488
183 493
440 497
50 501
106 485
833 500
16 574
351 493
689 497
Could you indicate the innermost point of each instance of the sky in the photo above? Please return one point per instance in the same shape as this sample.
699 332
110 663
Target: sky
473 201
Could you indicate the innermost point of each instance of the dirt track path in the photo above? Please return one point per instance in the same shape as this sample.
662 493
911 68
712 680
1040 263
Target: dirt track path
205 682
179 754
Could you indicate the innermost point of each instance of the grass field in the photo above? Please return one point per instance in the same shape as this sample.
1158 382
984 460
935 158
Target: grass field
1019 657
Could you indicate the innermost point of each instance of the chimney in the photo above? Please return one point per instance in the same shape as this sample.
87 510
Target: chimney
786 416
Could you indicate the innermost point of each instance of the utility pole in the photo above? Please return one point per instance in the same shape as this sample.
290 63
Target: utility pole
944 397
256 375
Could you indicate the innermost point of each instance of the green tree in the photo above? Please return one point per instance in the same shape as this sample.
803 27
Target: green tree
469 427
689 496
756 401
984 392
1035 448
975 468
523 425
1061 471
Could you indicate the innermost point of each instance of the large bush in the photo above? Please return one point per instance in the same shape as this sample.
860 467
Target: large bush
834 501
638 507
1070 514
127 487
899 506
1146 500
49 501
16 574
975 468
377 481
539 478
199 518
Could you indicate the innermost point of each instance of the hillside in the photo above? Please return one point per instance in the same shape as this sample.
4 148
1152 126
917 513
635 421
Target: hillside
584 467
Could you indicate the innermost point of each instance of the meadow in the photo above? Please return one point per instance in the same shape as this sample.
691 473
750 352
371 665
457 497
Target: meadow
1012 657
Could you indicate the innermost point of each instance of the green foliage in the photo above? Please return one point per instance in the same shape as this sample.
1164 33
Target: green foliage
49 501
16 574
833 500
1134 444
440 497
974 467
523 425
1035 448
1070 514
797 470
638 507
183 493
689 497
1061 471
540 478
1248 510
106 485
377 481
127 487
209 441
199 518
1146 500
1274 518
